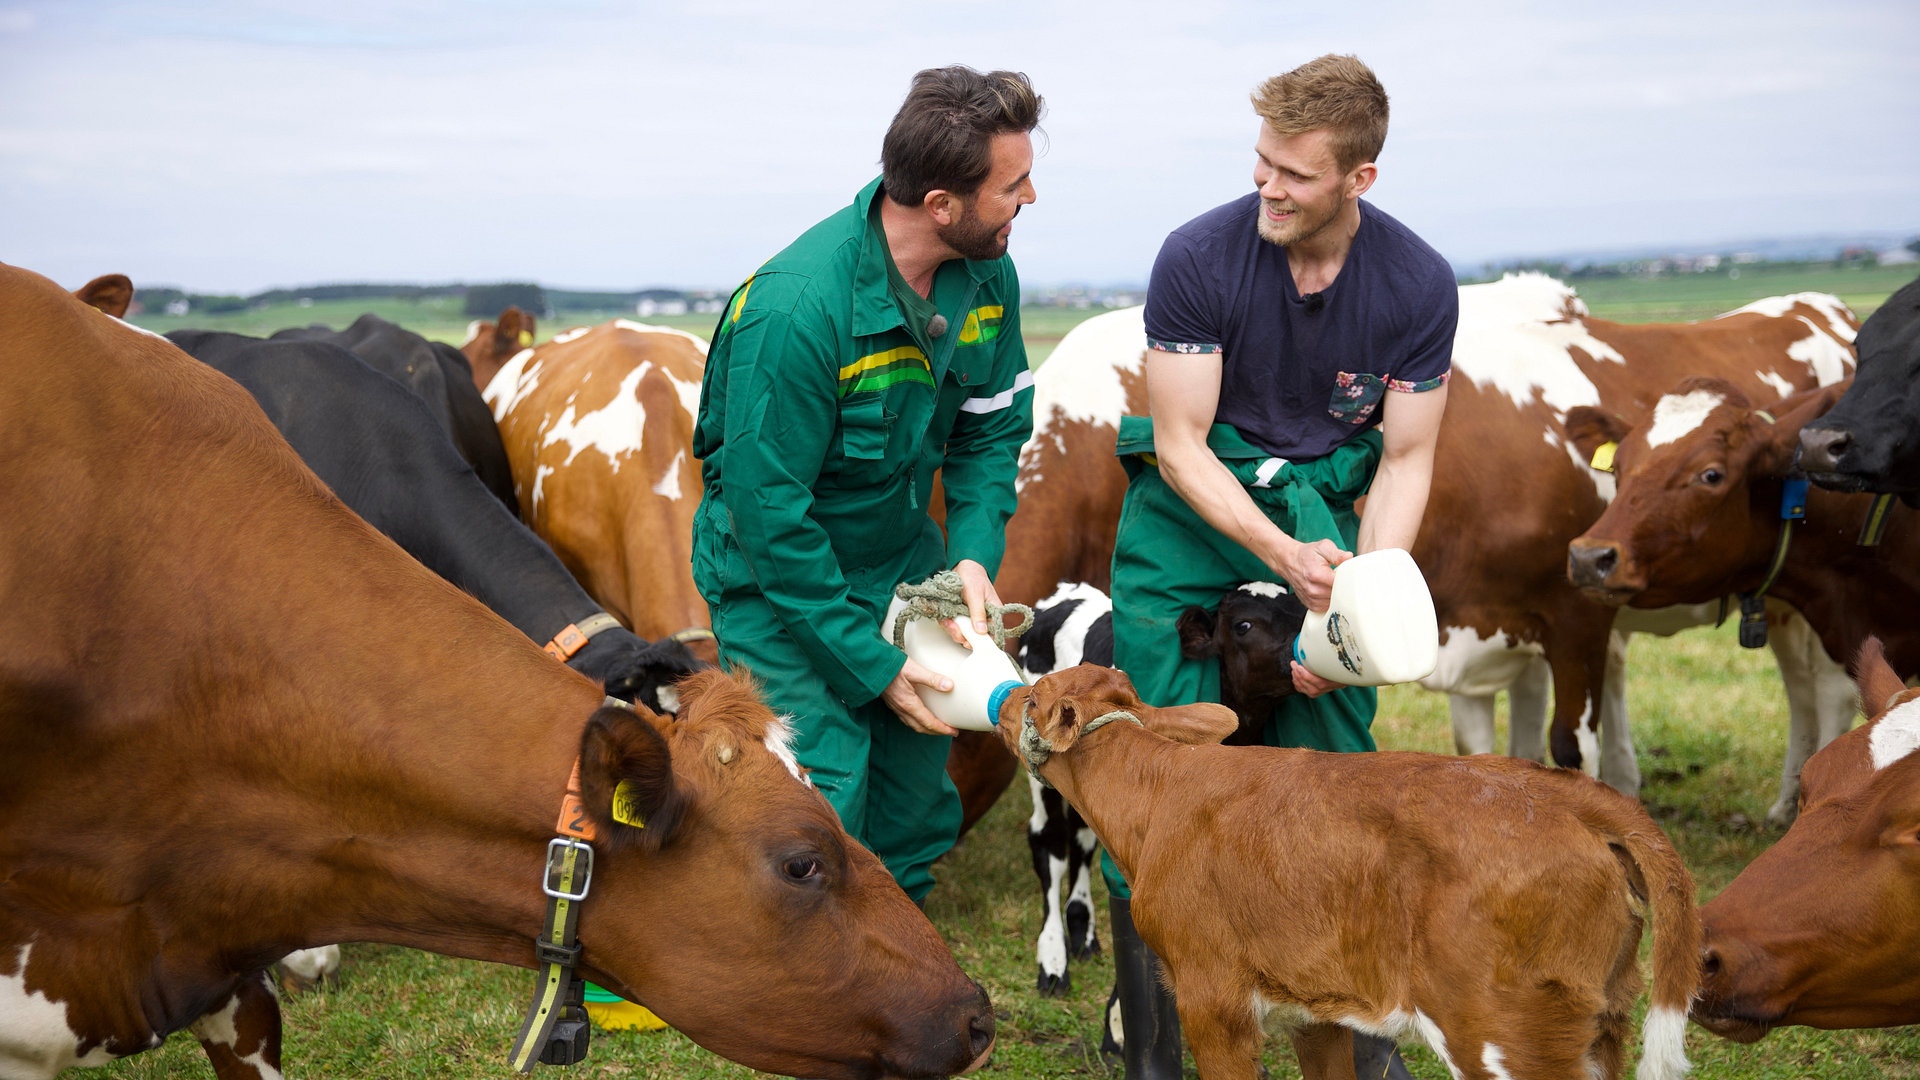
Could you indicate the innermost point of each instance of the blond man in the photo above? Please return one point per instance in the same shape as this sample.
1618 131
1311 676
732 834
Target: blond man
1300 341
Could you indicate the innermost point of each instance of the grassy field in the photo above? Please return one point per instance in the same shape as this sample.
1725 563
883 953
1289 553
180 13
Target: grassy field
1709 721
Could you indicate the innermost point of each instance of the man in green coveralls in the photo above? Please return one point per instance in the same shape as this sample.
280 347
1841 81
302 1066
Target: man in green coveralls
1283 328
881 345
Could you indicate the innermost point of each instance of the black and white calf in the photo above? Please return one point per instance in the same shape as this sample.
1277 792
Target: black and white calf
1251 631
1073 626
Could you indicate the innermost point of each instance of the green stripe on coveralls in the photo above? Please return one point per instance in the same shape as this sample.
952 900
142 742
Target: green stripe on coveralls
1167 559
877 371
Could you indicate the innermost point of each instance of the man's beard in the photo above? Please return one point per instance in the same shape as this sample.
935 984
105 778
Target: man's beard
973 237
1292 232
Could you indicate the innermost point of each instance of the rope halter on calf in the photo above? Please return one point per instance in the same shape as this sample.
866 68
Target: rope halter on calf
1036 749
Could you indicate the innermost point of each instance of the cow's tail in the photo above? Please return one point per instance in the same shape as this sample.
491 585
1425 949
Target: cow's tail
1677 940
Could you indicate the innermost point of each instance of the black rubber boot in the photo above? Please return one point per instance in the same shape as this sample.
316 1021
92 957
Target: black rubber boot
1149 1028
1375 1058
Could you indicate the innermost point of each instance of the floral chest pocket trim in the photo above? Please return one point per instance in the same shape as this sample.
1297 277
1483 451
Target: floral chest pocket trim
1355 396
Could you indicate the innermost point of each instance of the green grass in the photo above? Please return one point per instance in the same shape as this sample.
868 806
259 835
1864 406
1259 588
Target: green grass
1689 297
1709 722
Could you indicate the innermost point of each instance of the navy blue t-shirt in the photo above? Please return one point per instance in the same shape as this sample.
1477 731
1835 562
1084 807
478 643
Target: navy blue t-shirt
1300 377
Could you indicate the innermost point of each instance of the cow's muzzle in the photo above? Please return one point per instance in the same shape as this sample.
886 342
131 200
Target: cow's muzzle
1594 566
1823 449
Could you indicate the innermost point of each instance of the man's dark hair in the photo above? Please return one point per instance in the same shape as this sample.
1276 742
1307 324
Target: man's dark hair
941 137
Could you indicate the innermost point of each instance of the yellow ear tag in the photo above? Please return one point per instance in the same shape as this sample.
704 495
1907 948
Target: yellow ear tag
626 805
1603 456
526 338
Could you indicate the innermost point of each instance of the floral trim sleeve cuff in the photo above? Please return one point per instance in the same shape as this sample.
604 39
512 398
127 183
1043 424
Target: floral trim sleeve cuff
1199 348
1402 387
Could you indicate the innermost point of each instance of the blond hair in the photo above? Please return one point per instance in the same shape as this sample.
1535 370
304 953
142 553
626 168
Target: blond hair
1338 93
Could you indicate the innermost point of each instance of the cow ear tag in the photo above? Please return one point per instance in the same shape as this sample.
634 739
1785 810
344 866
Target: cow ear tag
526 339
626 805
1603 456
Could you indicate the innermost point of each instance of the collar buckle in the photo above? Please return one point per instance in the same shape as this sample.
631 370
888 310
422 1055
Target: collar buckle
554 883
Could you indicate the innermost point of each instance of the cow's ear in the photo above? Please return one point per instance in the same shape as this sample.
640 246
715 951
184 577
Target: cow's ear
1875 677
1589 429
1195 626
627 781
1197 724
515 329
111 293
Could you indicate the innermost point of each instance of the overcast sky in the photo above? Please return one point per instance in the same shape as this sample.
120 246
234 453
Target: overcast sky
236 146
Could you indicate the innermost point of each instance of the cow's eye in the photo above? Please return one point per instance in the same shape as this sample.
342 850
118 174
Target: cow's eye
802 868
1242 628
1711 476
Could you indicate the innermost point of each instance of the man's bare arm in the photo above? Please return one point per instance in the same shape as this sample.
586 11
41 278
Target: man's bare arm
1409 427
1184 391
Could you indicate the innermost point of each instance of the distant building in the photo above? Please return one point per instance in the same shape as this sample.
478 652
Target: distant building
1898 257
178 307
648 307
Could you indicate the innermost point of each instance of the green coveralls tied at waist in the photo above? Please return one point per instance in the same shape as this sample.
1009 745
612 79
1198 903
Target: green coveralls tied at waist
1167 559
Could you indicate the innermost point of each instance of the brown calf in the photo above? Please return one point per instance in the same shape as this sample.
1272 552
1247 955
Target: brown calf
1489 907
235 720
1823 929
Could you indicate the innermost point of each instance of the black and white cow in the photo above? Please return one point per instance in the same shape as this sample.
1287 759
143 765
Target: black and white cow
380 449
1870 440
441 377
1071 627
1251 631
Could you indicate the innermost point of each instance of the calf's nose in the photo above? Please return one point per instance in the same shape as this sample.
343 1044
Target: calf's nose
1589 564
1822 448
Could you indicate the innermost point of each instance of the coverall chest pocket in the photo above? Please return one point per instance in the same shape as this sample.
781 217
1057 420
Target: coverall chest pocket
1355 396
865 426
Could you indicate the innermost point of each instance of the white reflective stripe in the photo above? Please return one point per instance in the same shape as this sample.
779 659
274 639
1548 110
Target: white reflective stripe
1263 476
1000 400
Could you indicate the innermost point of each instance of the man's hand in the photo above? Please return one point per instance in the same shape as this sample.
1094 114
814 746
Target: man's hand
1308 571
1306 682
901 698
976 588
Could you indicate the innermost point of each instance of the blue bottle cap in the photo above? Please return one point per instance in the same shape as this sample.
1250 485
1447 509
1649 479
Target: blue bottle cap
998 698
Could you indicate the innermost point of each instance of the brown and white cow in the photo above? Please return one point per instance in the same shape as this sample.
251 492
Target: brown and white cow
1699 510
598 425
1823 929
1510 489
1489 907
236 720
490 345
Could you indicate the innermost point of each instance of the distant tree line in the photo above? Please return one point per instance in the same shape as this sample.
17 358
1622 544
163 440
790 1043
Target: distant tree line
482 301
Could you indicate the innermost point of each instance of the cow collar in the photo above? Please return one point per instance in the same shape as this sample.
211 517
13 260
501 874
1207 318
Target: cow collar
576 635
1875 527
1753 609
556 1031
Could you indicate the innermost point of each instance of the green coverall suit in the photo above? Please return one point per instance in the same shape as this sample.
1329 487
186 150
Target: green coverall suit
1167 559
826 408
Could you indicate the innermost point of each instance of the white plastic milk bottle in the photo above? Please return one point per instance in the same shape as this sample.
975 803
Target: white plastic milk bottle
982 676
1379 627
